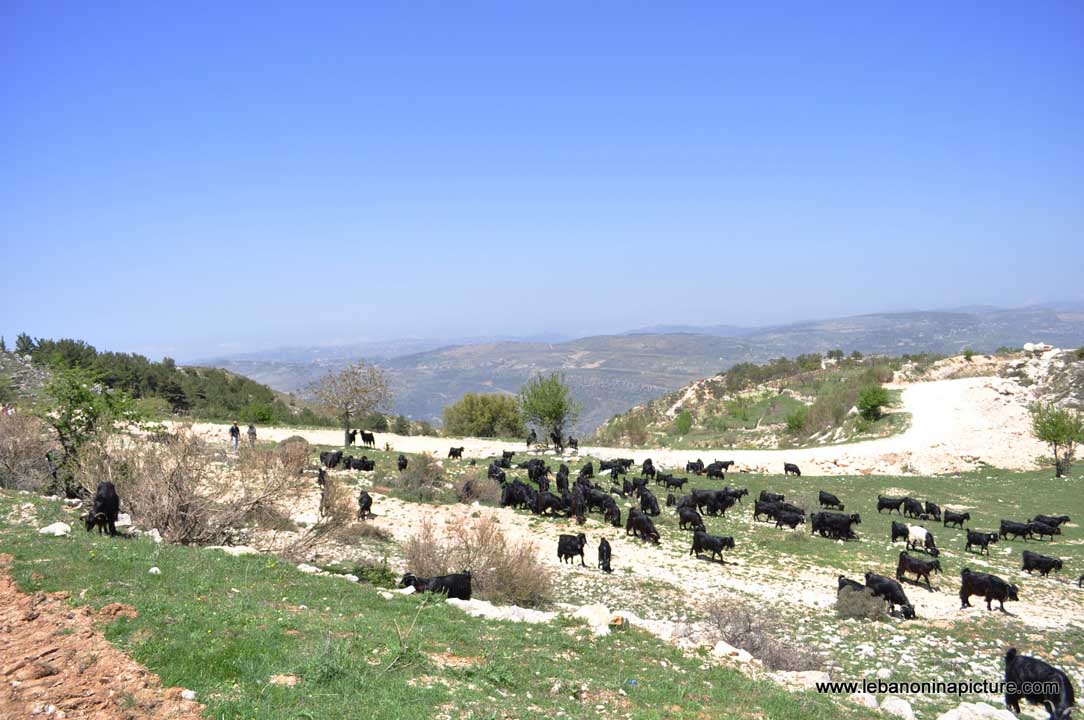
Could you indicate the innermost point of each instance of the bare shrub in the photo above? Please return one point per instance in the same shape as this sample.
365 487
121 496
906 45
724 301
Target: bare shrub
798 535
24 442
177 485
502 571
422 481
357 533
758 636
479 488
859 604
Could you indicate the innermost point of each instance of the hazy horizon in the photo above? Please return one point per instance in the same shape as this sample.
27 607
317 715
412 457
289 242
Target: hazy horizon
232 178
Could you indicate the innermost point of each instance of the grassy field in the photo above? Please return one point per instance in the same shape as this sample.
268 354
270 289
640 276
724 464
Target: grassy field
223 626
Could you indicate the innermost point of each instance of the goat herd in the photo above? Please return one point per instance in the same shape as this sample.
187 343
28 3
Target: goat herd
579 497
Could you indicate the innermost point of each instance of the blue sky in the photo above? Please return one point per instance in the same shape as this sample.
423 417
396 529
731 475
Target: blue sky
184 178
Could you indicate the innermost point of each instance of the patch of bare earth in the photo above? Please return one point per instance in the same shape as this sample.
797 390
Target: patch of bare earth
55 662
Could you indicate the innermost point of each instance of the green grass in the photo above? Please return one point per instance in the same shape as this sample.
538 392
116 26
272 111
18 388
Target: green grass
222 626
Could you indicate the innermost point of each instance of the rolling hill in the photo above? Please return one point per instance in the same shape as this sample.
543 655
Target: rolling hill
611 373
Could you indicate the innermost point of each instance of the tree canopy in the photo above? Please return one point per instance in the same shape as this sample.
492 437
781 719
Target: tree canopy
1060 428
354 391
547 403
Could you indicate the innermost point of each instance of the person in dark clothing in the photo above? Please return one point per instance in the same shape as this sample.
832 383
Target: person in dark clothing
235 434
252 436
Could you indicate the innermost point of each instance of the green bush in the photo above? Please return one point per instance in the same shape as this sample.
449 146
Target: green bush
870 401
968 354
797 420
683 423
476 415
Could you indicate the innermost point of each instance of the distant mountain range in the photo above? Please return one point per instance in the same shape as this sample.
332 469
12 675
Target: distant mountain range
611 373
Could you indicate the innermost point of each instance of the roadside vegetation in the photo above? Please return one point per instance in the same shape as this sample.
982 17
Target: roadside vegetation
801 402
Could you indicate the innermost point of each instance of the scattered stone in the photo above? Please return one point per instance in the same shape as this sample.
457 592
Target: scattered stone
976 711
894 705
864 699
308 569
57 529
188 694
883 673
726 650
285 680
514 613
155 571
236 550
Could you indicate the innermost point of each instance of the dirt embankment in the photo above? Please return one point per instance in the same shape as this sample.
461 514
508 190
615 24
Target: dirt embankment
956 424
55 663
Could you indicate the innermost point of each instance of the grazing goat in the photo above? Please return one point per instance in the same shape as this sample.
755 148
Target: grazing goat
1031 679
368 439
790 519
604 555
716 470
532 439
828 500
401 463
365 505
981 539
673 483
989 587
1054 520
889 503
956 519
456 585
900 531
933 510
331 459
696 467
569 546
920 568
1038 529
104 509
670 501
455 453
766 496
640 525
1016 529
689 519
912 508
845 582
714 544
647 470
1042 563
919 538
791 469
834 525
892 592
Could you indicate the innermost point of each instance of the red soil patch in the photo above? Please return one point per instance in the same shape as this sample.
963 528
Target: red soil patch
53 655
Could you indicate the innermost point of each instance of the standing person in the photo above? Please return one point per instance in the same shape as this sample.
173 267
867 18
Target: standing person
235 434
252 436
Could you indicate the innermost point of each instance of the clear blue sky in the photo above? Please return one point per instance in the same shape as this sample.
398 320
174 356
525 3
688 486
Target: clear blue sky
202 176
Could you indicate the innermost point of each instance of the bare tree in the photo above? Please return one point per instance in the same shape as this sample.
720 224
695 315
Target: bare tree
354 391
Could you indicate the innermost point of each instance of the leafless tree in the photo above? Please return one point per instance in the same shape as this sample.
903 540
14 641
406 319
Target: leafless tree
354 391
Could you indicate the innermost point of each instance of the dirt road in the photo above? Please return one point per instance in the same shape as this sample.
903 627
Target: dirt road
955 424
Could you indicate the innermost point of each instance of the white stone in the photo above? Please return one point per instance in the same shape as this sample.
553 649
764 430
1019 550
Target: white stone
123 520
976 711
864 699
897 706
408 590
514 613
726 650
308 569
350 577
235 550
188 694
387 595
154 535
155 571
883 673
597 617
57 529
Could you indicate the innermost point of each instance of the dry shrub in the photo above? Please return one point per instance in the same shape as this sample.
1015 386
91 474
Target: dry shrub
422 481
479 488
357 533
176 485
860 604
24 442
502 571
738 626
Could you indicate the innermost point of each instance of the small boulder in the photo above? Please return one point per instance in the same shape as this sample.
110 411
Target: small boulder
308 569
155 571
57 529
894 705
976 711
864 699
726 650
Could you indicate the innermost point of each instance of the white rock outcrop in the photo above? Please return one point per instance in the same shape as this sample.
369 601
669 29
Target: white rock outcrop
57 529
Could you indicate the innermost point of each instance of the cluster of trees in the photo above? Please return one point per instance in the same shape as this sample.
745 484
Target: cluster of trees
166 388
544 403
1062 429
